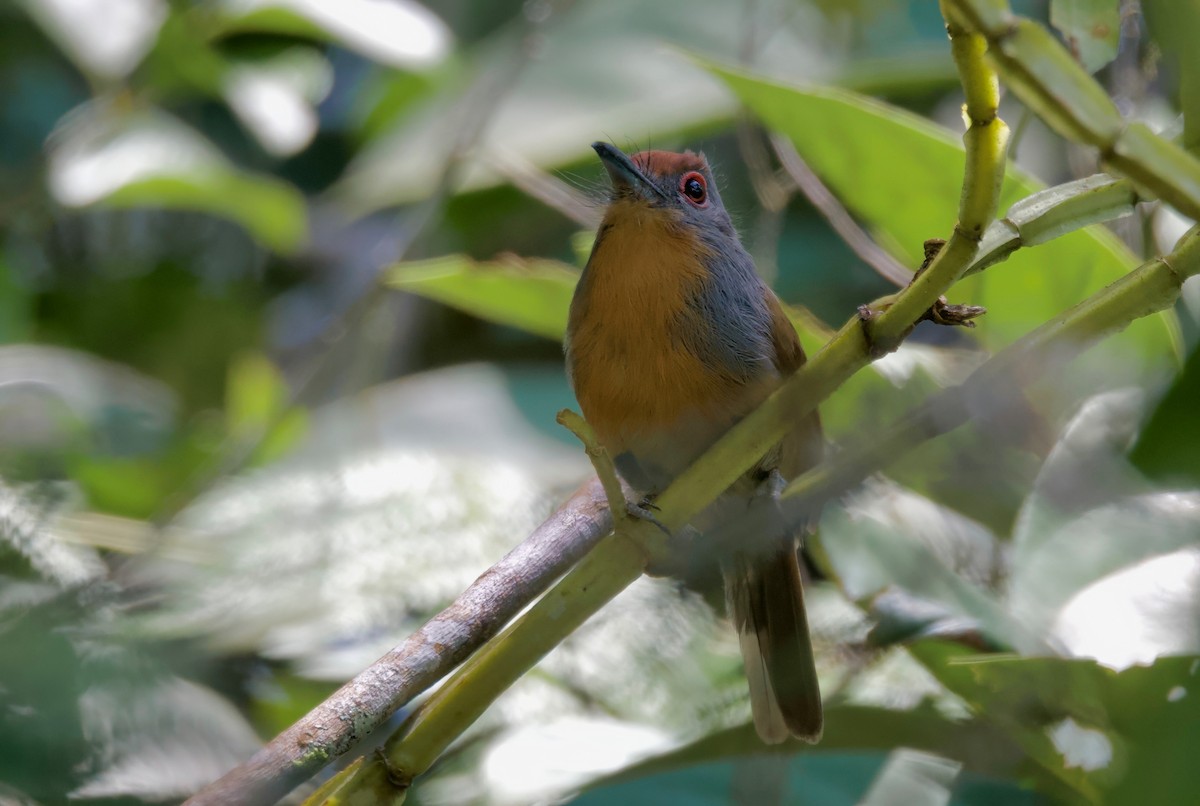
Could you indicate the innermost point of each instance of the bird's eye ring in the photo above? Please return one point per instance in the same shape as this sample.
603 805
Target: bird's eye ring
693 188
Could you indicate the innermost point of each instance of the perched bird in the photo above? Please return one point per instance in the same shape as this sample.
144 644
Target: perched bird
673 338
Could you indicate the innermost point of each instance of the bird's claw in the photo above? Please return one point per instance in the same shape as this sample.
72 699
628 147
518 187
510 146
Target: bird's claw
642 510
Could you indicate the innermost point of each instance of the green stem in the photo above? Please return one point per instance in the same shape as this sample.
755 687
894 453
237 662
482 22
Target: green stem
1047 79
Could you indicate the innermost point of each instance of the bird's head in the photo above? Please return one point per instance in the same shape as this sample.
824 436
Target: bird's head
676 188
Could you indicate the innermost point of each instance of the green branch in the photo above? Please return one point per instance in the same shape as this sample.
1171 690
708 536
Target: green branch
1152 287
1047 79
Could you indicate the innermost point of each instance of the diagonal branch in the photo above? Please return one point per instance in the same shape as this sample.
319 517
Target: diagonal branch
428 655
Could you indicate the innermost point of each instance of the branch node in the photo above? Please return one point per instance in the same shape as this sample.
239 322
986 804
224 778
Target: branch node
394 775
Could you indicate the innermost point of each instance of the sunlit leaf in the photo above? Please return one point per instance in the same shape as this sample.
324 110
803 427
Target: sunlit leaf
1137 614
100 156
105 37
589 79
533 295
275 98
398 33
1086 502
903 175
1092 29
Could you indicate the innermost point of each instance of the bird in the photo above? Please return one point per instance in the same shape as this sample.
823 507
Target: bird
673 337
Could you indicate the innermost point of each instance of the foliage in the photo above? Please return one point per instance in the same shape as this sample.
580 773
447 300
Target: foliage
246 449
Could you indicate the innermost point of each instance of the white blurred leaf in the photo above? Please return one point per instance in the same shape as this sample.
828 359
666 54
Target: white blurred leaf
397 33
603 70
105 37
160 741
1138 613
148 158
275 98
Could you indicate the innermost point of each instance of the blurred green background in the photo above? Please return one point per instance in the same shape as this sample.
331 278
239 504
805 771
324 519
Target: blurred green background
282 284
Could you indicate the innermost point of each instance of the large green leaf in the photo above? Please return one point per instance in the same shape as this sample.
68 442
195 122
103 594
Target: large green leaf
902 174
710 769
1115 737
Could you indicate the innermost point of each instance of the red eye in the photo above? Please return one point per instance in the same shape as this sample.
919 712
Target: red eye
693 188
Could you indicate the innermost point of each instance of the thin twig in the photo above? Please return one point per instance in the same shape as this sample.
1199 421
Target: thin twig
825 203
601 461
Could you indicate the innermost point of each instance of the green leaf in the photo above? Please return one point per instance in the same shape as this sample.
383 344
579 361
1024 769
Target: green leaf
1116 737
1092 29
902 174
255 393
16 306
706 770
533 295
1175 26
1165 449
149 159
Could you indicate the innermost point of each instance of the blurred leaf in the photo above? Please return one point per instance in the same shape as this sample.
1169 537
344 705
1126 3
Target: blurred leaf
149 159
104 37
532 295
1116 737
255 393
275 97
705 771
1075 526
1165 448
399 33
603 70
53 400
903 175
160 739
886 538
1092 29
16 306
913 778
139 487
1175 26
1139 613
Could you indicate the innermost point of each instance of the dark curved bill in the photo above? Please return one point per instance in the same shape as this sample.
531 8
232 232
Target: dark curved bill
624 173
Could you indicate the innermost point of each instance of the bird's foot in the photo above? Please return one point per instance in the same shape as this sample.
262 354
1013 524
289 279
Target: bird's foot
940 313
644 511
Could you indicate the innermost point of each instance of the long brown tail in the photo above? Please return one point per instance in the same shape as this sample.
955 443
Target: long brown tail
766 602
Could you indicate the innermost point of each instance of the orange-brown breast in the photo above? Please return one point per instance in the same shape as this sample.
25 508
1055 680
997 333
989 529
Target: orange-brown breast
637 383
